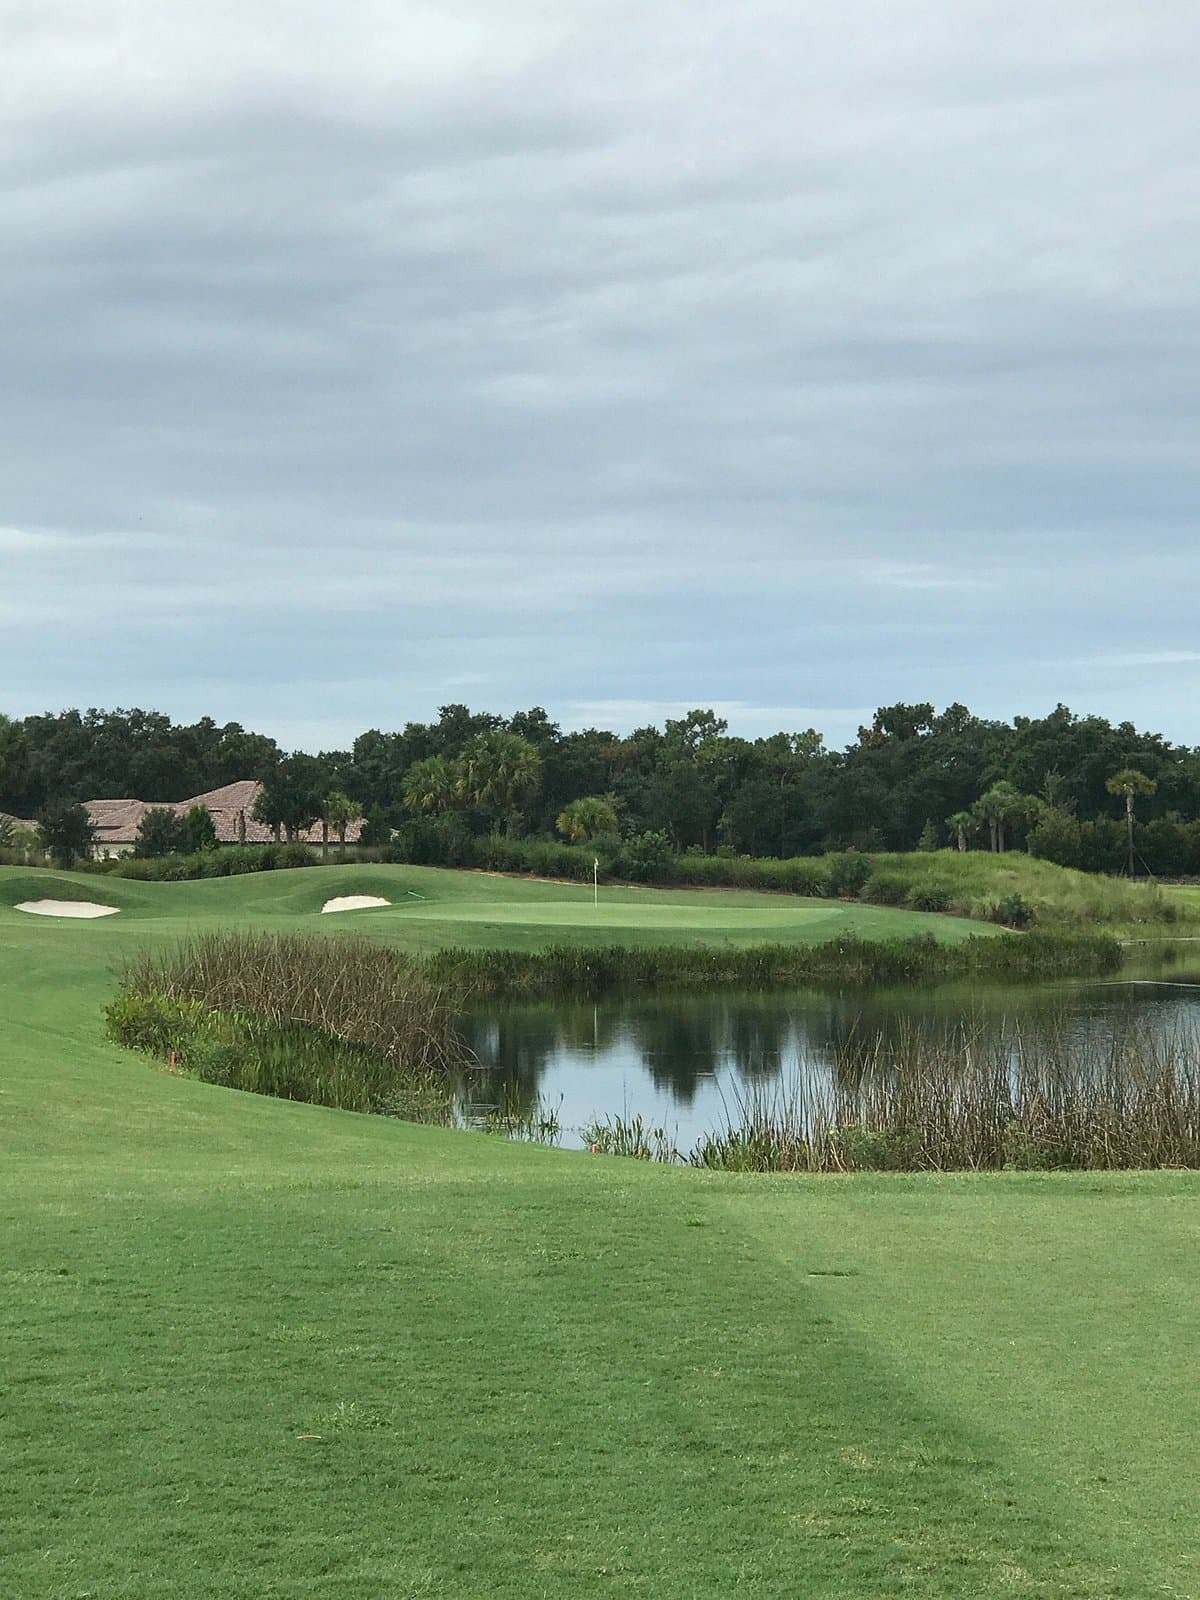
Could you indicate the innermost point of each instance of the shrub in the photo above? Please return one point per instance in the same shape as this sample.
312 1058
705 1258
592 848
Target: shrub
152 1022
847 873
885 888
929 897
648 857
1011 911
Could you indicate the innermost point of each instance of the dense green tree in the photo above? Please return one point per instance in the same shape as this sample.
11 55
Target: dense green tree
160 833
14 762
199 830
291 796
1056 837
691 779
66 832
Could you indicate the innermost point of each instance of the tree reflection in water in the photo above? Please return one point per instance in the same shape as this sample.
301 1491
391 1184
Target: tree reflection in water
674 1058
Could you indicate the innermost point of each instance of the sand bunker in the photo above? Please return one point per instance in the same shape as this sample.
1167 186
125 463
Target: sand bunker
66 908
354 902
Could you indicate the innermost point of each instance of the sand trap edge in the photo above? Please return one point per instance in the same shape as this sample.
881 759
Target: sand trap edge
354 902
66 908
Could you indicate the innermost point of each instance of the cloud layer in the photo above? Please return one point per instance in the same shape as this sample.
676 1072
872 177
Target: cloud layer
610 357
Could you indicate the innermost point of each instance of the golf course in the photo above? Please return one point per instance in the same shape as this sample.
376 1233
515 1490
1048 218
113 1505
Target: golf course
255 1348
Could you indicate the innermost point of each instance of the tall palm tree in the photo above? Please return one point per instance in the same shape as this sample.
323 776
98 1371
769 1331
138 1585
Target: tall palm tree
498 771
432 785
1128 783
999 807
338 812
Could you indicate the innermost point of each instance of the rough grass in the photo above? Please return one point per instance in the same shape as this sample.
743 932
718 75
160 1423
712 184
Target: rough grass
257 1349
974 881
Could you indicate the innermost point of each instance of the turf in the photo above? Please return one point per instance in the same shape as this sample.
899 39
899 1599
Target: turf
432 907
259 1349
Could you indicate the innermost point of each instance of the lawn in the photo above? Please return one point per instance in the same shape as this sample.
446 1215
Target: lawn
260 1349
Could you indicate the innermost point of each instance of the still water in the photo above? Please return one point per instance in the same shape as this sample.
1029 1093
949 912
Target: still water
682 1061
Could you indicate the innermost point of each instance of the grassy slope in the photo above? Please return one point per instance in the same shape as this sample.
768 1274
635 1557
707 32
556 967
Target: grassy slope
1059 896
432 907
539 1374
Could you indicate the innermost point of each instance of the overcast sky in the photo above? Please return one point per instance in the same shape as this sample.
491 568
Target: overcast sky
612 356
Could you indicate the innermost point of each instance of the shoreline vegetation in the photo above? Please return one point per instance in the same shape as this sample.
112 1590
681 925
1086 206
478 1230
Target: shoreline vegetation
364 1027
960 1101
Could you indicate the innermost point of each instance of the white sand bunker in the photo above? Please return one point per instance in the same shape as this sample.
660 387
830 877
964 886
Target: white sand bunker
66 908
354 902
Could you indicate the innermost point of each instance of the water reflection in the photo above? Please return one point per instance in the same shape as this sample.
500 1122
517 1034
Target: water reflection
678 1060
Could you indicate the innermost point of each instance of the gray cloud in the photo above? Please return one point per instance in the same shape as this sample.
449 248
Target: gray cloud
612 357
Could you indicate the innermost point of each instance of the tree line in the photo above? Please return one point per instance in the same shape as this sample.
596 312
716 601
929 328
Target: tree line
912 778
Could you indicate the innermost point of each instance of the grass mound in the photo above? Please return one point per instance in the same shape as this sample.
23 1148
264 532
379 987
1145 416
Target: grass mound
975 883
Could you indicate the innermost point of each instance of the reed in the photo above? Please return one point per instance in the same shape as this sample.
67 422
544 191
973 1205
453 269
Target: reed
975 1102
347 989
289 1060
628 1136
564 970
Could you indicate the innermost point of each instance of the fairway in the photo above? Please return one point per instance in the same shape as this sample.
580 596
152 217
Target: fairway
253 1348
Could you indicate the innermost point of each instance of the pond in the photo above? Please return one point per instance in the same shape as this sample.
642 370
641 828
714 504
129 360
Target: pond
683 1061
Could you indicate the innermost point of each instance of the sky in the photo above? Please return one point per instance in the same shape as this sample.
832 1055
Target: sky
612 357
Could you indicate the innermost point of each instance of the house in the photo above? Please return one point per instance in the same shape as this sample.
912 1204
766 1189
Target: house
115 823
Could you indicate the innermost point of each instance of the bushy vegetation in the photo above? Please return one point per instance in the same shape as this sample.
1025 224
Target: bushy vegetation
231 861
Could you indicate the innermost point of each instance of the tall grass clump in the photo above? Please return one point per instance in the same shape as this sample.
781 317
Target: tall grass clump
976 1102
348 989
289 1060
563 970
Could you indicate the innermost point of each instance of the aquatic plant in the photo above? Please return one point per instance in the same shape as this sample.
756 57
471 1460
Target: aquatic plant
970 1101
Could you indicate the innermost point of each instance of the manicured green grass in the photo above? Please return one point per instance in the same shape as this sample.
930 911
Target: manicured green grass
258 1349
432 907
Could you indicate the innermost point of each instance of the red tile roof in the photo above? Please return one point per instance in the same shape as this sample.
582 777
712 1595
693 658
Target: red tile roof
231 808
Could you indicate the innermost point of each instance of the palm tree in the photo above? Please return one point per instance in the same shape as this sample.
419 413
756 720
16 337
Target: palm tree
961 825
1000 806
1128 783
499 770
338 812
431 785
583 819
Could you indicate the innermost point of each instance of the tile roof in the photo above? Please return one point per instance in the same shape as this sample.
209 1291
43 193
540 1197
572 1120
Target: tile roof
17 822
231 807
